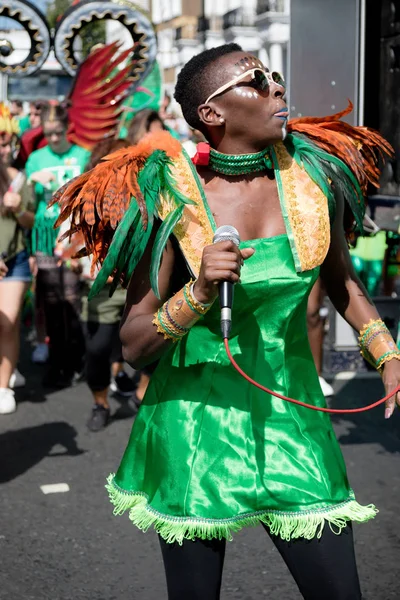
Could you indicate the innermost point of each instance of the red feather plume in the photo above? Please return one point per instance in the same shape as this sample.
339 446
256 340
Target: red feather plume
96 96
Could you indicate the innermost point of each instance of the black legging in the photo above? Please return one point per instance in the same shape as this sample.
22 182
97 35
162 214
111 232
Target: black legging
324 569
103 347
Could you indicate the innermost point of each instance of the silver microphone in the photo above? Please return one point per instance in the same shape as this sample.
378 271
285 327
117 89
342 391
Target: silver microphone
226 232
222 234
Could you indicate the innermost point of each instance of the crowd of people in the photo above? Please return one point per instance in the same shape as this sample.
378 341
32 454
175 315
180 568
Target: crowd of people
76 338
73 337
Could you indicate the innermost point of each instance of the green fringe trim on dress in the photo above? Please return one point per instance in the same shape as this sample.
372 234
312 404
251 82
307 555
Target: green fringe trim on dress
288 525
44 236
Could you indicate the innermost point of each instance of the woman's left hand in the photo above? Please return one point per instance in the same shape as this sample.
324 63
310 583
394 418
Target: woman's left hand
12 201
391 380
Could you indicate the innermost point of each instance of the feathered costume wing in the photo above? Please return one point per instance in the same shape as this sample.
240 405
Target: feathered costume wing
123 193
95 100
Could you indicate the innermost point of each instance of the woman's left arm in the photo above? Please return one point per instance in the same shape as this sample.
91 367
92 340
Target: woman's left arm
350 298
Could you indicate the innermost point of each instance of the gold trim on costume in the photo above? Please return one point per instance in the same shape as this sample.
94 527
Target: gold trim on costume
193 231
307 209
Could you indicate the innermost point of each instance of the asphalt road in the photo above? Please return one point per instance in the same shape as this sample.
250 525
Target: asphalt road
69 546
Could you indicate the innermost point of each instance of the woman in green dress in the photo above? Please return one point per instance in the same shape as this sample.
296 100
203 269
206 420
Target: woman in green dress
209 453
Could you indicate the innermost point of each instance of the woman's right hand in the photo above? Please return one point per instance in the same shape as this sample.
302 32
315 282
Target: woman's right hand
43 177
12 201
220 262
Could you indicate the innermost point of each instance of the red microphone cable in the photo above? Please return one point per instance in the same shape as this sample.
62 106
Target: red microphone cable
293 401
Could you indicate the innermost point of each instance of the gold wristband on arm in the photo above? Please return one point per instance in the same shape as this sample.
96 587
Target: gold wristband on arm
377 344
178 314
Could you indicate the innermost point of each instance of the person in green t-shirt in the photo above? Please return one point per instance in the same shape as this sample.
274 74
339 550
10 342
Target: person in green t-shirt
57 278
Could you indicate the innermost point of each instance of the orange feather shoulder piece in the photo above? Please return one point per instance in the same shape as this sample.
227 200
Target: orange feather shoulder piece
114 205
358 147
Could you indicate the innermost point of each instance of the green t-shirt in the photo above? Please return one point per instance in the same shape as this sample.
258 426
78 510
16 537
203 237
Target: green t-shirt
64 167
24 124
102 308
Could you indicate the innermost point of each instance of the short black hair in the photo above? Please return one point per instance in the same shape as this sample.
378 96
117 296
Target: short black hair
195 84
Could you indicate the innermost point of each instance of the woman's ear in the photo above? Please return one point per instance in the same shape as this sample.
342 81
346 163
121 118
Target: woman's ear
210 116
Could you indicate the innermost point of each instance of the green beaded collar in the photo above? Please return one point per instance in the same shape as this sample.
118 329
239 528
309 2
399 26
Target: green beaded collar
239 164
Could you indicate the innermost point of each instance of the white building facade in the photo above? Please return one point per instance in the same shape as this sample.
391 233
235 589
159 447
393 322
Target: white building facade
186 27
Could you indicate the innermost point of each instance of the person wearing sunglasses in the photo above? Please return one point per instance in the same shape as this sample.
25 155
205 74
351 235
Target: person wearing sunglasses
209 453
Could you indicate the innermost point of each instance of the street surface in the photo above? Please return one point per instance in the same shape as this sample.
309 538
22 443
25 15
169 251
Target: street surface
69 546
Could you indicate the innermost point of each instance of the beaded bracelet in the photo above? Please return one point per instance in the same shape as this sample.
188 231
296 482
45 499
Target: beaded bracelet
377 344
178 314
372 328
195 305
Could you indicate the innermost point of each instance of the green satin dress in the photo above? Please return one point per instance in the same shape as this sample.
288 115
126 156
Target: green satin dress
209 453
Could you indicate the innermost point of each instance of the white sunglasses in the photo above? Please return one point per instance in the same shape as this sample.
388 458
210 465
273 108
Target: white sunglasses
261 80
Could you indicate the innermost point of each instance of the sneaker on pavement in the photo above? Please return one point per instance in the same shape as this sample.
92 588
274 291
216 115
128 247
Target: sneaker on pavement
7 401
327 389
40 354
122 384
99 418
16 380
